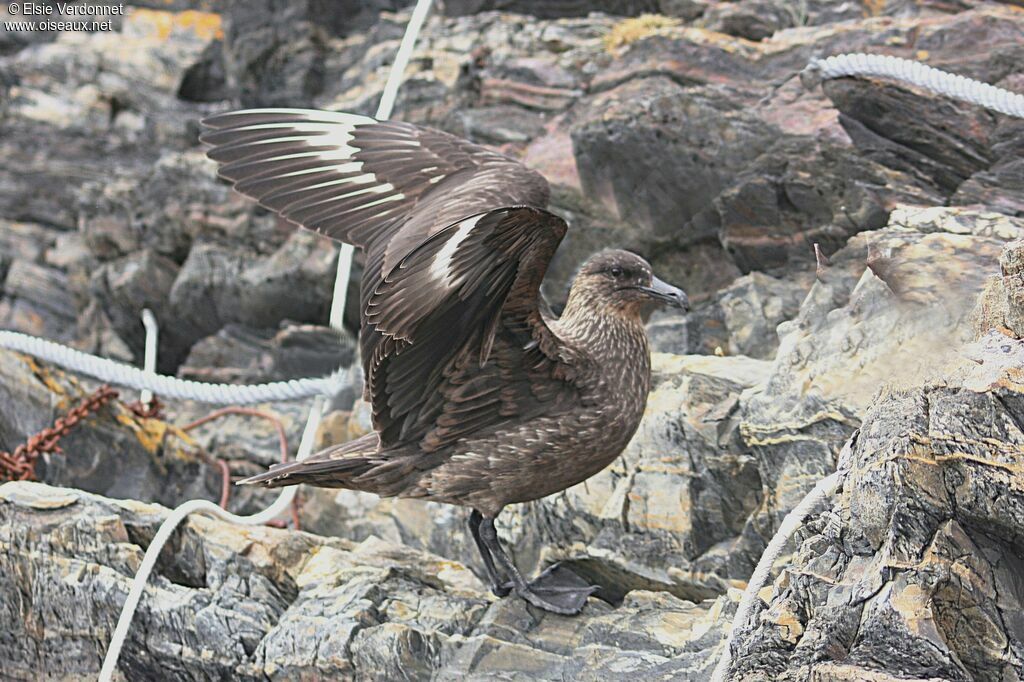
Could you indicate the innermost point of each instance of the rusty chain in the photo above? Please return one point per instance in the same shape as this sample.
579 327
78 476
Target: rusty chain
20 465
155 409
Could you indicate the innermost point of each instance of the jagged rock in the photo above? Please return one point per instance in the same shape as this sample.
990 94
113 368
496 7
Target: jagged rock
683 9
37 301
645 154
110 111
701 331
741 320
274 52
143 279
921 578
550 9
803 191
999 187
259 603
294 283
25 241
1012 264
940 139
1002 302
207 292
238 354
892 309
753 306
752 19
219 285
176 203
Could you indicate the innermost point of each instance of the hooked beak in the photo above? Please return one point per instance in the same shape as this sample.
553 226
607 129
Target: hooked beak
666 293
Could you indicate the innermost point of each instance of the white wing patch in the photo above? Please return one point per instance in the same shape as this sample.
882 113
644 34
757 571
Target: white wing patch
305 165
441 267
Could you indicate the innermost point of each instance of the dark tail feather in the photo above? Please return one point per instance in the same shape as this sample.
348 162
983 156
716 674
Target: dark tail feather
332 467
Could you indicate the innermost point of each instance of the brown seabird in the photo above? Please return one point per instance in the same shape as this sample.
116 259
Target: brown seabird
480 397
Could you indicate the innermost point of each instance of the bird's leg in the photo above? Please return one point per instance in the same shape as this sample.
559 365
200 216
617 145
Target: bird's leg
499 583
557 589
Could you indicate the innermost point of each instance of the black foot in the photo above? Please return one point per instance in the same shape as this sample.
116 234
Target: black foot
556 589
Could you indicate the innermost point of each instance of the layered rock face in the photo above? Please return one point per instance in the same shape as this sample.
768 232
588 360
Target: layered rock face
675 129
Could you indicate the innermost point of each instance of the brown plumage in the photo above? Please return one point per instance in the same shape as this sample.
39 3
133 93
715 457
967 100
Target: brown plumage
480 397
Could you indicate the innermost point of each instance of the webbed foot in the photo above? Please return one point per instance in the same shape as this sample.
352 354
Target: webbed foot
557 589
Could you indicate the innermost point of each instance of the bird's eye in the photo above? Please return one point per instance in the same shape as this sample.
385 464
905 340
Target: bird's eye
616 272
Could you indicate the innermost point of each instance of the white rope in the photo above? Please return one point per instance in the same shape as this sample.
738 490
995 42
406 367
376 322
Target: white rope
823 490
112 372
384 107
287 495
163 534
152 343
920 75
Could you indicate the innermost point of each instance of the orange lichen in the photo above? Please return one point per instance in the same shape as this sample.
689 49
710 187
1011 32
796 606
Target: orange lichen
873 8
205 25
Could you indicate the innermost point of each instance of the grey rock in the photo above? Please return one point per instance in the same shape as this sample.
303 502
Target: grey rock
172 205
923 578
753 19
683 9
999 186
143 279
259 603
274 52
699 332
634 149
1011 262
239 354
892 309
25 241
207 291
911 132
500 124
38 301
550 9
655 175
753 306
294 283
803 191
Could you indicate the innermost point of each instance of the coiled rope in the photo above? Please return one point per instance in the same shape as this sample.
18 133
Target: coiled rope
904 70
284 499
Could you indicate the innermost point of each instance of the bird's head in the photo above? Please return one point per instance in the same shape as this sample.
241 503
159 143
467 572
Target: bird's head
623 282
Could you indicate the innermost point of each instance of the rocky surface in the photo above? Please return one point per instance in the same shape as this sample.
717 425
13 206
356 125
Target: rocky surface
922 569
259 603
676 128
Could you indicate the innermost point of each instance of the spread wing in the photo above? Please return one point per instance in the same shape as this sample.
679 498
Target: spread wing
364 181
456 244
